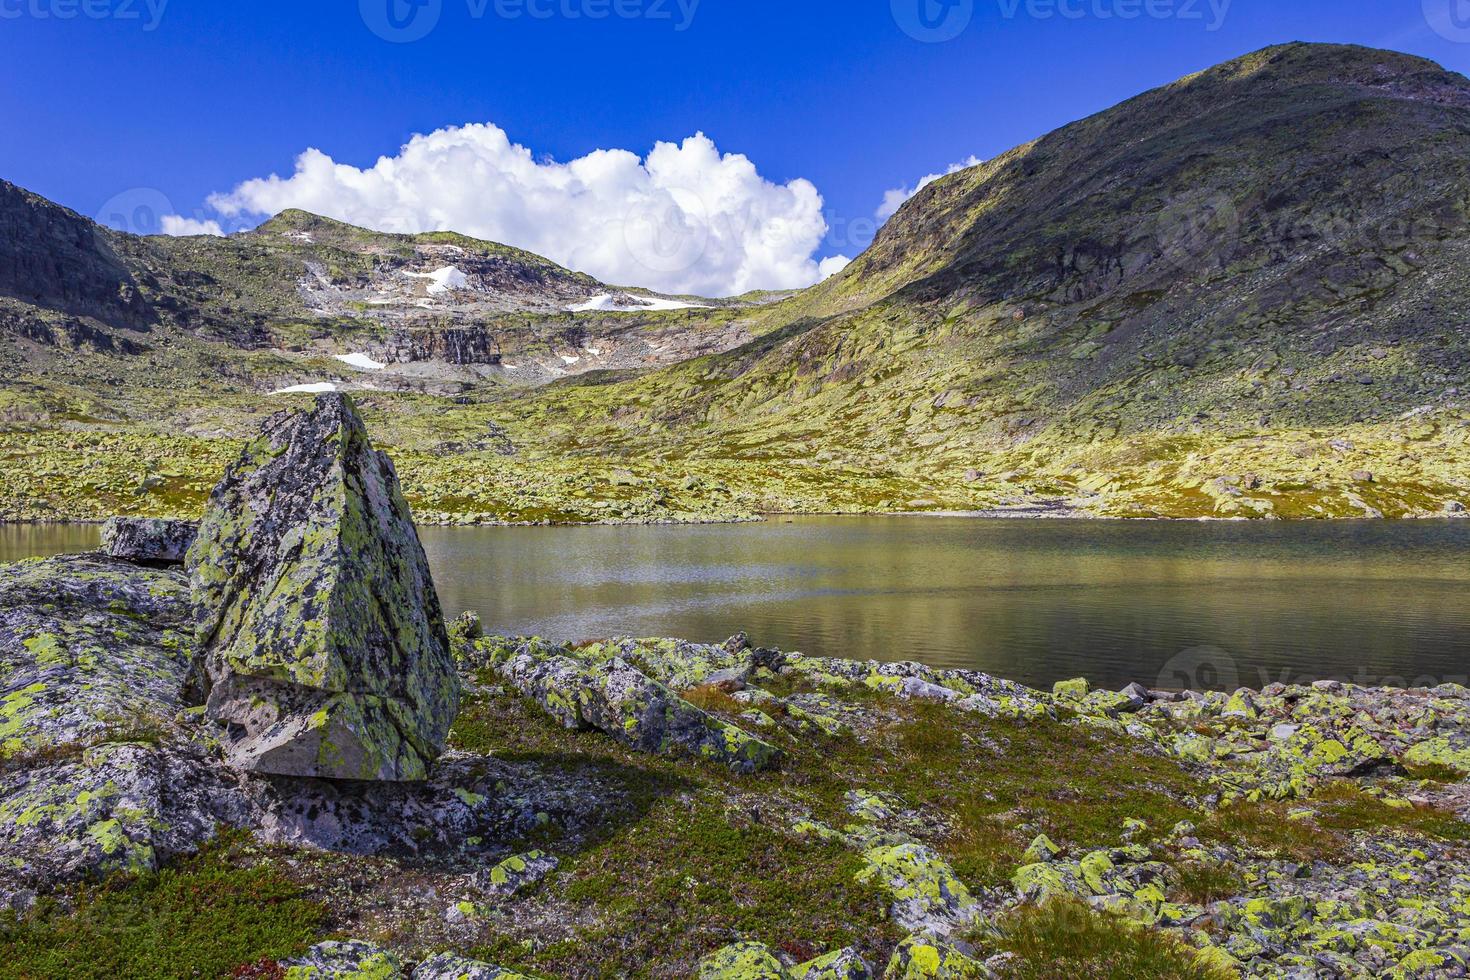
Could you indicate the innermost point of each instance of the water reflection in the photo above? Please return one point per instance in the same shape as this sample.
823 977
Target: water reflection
1038 601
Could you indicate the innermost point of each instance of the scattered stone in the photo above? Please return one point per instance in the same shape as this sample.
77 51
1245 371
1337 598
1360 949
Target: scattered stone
324 648
143 540
1073 689
845 964
447 966
1042 850
921 957
582 691
743 961
516 874
347 960
1138 692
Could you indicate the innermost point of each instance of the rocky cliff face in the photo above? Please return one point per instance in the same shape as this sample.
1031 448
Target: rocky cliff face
56 259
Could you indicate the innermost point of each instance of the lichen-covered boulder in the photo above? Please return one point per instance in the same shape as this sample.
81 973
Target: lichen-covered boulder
346 960
845 964
927 895
324 646
447 966
89 647
743 961
1448 751
148 540
121 806
616 698
921 957
517 873
99 774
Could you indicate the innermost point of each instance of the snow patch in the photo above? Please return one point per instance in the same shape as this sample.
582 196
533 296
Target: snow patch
628 304
362 361
317 388
442 280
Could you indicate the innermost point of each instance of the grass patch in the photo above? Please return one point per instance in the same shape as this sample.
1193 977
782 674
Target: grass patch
203 918
1203 883
707 697
1338 809
1065 938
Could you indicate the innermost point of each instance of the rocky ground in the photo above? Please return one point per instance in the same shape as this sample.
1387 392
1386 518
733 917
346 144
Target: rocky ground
664 808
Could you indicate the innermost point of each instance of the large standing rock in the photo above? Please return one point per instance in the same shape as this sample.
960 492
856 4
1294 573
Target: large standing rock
324 647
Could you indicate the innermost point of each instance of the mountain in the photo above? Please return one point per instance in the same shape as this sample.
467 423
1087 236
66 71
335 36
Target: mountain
1189 304
1241 294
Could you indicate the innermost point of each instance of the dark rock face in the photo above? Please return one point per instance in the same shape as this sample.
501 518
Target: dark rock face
56 259
455 345
144 540
323 644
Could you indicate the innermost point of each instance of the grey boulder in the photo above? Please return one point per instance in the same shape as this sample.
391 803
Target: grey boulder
147 540
323 645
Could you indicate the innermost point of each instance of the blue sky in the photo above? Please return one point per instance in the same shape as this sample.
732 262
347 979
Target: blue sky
187 98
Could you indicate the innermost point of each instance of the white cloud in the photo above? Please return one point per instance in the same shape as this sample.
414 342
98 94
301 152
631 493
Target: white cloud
828 268
895 198
685 219
177 224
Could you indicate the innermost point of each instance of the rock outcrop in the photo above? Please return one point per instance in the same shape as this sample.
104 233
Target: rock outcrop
148 540
95 774
324 648
590 689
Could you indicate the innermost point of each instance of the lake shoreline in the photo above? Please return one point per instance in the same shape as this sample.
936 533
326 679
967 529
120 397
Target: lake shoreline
888 812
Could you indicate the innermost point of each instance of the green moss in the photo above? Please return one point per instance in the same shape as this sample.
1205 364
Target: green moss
201 919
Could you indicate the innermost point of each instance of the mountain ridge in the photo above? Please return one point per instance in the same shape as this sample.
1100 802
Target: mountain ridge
1181 306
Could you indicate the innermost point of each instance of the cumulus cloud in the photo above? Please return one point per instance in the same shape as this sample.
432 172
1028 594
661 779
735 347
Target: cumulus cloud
177 224
684 219
895 198
829 267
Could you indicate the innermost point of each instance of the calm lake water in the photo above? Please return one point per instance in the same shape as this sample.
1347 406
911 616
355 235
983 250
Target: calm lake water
1173 604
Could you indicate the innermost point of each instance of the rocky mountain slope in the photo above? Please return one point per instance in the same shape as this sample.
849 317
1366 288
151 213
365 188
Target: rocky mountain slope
1238 295
1225 296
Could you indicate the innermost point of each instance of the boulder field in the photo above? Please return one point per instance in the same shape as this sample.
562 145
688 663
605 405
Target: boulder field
667 808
